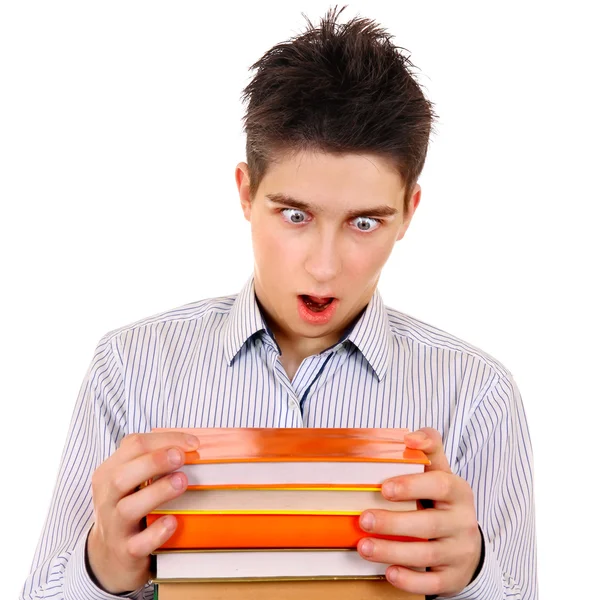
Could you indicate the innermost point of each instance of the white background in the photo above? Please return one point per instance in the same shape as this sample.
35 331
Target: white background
119 135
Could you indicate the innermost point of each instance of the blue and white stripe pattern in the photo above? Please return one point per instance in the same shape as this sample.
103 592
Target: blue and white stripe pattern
214 363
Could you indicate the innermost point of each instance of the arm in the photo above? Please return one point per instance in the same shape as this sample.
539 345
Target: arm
97 425
488 489
496 460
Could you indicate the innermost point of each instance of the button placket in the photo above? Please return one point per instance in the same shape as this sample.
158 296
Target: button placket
281 375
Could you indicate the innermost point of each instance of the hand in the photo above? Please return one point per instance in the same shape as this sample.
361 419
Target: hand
118 549
454 547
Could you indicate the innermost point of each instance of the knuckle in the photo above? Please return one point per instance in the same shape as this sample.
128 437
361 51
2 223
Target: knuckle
132 549
437 583
446 485
433 526
134 441
96 479
122 510
431 555
120 483
473 530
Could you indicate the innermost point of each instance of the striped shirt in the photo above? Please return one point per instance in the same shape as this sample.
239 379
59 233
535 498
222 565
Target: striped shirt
215 363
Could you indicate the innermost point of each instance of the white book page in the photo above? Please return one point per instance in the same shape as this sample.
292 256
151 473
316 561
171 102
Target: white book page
267 473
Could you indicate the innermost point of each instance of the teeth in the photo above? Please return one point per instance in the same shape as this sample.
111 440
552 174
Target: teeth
318 300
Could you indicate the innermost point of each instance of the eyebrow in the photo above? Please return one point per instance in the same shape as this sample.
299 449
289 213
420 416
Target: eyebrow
373 211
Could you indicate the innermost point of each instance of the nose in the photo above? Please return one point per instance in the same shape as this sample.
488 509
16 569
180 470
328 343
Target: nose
324 260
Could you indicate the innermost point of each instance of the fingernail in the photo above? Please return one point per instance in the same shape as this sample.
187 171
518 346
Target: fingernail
388 489
418 436
392 575
366 547
367 520
174 457
177 481
192 441
169 522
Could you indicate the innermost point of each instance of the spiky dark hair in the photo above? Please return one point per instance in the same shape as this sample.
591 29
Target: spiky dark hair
337 88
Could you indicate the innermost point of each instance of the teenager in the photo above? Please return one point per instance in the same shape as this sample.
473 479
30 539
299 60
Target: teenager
337 134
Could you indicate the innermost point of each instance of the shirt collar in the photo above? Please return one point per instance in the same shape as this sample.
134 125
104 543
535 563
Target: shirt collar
370 333
245 319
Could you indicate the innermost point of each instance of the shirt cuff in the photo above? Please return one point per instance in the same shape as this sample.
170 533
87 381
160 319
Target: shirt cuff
79 583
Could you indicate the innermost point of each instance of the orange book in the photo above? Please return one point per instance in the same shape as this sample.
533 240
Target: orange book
262 457
266 531
291 459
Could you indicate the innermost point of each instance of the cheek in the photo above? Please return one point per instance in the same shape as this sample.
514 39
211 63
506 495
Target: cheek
367 259
273 249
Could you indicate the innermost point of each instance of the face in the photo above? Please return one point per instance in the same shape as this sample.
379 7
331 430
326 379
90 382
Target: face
322 226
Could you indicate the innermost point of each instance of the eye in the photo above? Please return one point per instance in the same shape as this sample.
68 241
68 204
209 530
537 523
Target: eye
367 223
293 215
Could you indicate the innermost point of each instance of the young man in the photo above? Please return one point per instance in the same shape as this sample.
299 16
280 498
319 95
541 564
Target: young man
337 134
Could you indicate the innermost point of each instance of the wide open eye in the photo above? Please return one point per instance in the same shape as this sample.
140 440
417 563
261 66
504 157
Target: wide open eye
366 223
293 215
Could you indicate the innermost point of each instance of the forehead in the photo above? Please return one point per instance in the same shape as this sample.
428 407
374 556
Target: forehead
327 179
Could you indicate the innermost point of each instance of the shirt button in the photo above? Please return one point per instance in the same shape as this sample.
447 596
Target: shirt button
291 403
340 349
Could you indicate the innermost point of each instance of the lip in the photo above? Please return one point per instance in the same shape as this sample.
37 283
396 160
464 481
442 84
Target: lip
320 318
320 296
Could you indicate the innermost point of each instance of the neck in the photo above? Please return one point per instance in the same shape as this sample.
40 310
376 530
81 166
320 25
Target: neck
293 352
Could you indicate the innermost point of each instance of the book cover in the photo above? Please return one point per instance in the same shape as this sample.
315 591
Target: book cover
240 457
300 444
267 531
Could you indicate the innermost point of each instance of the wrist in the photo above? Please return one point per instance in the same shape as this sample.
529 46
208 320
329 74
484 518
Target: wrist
92 575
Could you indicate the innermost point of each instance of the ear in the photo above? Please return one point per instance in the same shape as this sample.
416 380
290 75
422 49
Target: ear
410 211
242 179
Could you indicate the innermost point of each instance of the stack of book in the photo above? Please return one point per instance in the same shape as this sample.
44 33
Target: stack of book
273 513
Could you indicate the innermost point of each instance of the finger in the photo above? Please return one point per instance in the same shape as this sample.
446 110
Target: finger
426 524
137 444
430 583
125 478
439 486
134 507
429 441
148 540
433 553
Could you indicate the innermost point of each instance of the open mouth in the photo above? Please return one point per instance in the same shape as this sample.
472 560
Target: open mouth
315 304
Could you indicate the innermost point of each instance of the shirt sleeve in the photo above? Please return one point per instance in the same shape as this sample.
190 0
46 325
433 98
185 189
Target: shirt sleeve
97 425
496 459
